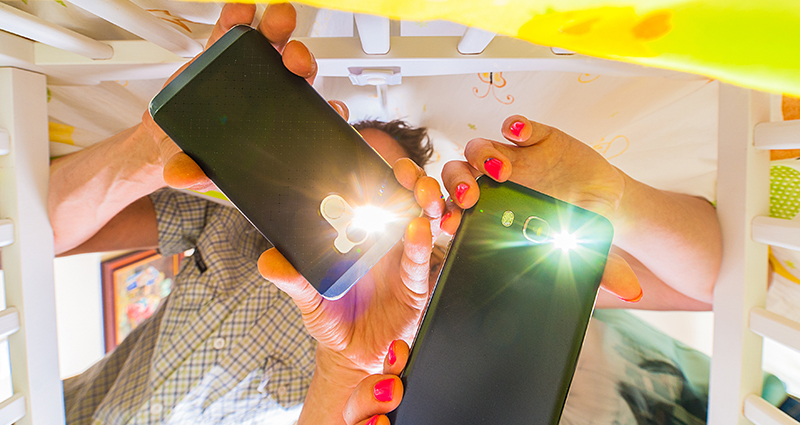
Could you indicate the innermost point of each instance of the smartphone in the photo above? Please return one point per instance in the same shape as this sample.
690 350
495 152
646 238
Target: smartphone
286 159
500 339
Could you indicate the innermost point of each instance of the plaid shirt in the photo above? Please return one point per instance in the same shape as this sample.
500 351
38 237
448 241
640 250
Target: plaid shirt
225 347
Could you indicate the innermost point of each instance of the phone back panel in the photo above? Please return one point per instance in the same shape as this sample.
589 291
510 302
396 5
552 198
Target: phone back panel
276 149
501 336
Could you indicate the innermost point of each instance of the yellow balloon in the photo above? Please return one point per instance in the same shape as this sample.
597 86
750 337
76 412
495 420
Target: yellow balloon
750 43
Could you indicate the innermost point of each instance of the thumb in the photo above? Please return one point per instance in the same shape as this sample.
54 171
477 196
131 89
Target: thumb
620 280
274 267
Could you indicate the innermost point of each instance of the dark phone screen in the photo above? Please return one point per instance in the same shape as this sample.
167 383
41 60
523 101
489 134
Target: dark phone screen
276 149
501 337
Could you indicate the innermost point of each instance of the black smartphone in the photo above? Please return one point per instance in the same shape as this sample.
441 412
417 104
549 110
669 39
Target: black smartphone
500 339
286 159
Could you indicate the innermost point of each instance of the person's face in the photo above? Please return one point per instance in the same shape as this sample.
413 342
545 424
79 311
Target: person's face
385 144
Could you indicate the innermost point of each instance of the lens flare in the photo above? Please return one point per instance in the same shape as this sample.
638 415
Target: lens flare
371 218
565 241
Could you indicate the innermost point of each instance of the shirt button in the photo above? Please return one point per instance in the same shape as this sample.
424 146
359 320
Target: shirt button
282 392
219 343
156 409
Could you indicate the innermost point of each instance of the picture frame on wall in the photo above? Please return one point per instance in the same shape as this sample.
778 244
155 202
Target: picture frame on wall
133 286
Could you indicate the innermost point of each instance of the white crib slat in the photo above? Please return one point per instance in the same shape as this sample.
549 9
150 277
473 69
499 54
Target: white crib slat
12 410
5 142
136 20
9 322
761 412
6 232
374 33
742 194
29 26
778 135
28 262
777 231
474 41
775 327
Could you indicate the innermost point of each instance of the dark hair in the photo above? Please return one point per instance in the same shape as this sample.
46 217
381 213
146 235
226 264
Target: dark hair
414 140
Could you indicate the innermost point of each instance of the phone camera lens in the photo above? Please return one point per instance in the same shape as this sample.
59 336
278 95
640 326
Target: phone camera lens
356 234
333 207
536 229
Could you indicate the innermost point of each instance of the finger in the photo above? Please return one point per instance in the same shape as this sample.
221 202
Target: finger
428 194
181 172
620 280
415 263
232 14
485 156
274 267
298 59
407 172
524 132
341 108
375 395
459 180
376 420
278 23
451 218
396 358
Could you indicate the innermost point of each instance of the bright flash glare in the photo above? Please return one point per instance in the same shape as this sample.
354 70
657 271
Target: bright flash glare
565 241
371 218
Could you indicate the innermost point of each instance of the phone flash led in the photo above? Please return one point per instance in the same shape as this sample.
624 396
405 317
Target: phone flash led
507 219
371 218
565 241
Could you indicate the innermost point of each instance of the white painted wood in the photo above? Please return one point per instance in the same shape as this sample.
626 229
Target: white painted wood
127 15
777 231
475 41
12 410
5 142
30 26
742 194
760 412
6 232
778 135
775 327
374 32
9 322
28 262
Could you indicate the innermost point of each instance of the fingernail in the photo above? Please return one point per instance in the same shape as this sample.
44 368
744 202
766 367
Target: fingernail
493 166
338 108
516 128
461 190
636 299
384 390
373 421
392 356
441 225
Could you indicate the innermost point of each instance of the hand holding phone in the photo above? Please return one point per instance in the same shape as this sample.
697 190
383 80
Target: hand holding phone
286 159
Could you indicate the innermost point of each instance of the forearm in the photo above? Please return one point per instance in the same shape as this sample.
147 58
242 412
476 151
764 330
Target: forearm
88 188
674 236
330 388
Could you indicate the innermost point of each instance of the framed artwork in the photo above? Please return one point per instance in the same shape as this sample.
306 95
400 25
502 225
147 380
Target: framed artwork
133 286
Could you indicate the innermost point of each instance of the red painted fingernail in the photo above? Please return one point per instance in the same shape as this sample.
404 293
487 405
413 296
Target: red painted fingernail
493 166
384 390
636 299
461 190
373 421
516 127
392 356
441 225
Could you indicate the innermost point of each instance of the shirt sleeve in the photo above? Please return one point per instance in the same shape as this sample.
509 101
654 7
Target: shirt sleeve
181 219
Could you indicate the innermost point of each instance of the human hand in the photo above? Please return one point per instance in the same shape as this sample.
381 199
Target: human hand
552 162
276 25
377 395
387 304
